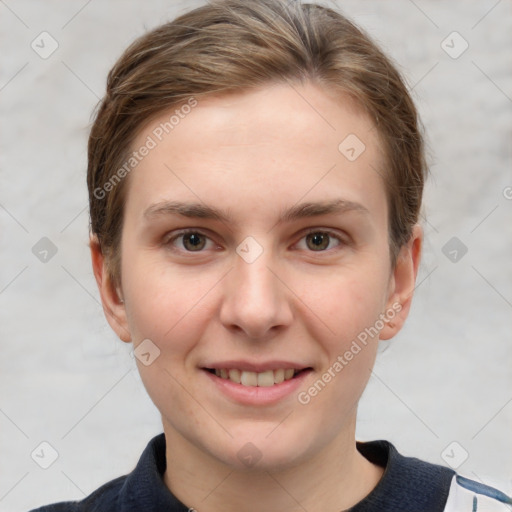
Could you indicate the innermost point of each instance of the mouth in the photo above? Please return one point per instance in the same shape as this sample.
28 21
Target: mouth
256 384
267 378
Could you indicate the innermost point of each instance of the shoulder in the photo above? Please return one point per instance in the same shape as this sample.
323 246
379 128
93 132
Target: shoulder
472 496
129 492
103 498
409 483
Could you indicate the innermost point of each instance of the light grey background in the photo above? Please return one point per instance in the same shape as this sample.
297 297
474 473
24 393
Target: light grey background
67 380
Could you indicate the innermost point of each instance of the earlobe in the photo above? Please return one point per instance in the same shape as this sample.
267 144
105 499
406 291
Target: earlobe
113 304
403 282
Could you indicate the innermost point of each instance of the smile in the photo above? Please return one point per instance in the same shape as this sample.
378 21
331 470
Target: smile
256 385
261 379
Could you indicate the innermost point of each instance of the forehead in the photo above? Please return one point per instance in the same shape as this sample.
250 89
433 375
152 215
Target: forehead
257 150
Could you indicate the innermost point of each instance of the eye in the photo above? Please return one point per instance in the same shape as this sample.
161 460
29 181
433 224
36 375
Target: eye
189 240
319 241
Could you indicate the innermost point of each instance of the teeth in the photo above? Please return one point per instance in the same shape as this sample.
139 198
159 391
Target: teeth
234 375
263 379
266 379
278 376
249 378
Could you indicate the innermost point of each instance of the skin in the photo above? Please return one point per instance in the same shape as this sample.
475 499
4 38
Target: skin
253 155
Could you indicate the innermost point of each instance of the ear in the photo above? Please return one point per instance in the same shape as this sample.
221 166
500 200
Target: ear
113 306
402 284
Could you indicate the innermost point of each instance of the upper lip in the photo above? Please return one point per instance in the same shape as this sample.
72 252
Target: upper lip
255 367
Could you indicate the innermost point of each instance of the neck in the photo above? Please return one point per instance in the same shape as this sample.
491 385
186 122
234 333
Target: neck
335 479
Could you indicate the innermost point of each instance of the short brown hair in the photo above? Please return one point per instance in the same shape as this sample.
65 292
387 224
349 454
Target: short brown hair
235 45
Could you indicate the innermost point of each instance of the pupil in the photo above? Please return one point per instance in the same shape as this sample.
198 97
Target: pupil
320 240
193 240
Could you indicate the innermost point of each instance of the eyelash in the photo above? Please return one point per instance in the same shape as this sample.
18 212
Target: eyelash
331 234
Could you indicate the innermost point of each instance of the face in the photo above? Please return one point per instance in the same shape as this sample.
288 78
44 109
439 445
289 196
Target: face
255 247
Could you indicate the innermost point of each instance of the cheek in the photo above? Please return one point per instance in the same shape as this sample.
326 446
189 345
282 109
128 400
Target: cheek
162 300
171 310
351 308
344 302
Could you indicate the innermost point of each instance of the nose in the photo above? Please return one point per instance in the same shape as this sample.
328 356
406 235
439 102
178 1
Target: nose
256 299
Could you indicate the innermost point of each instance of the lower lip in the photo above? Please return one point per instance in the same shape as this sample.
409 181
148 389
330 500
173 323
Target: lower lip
257 395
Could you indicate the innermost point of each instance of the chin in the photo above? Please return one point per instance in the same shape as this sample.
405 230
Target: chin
259 451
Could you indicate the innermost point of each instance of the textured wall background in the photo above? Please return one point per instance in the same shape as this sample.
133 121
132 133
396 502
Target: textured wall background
67 380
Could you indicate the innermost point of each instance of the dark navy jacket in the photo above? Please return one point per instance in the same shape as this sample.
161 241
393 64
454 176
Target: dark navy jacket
407 485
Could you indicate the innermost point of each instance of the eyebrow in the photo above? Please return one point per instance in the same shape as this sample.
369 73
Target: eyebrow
296 212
